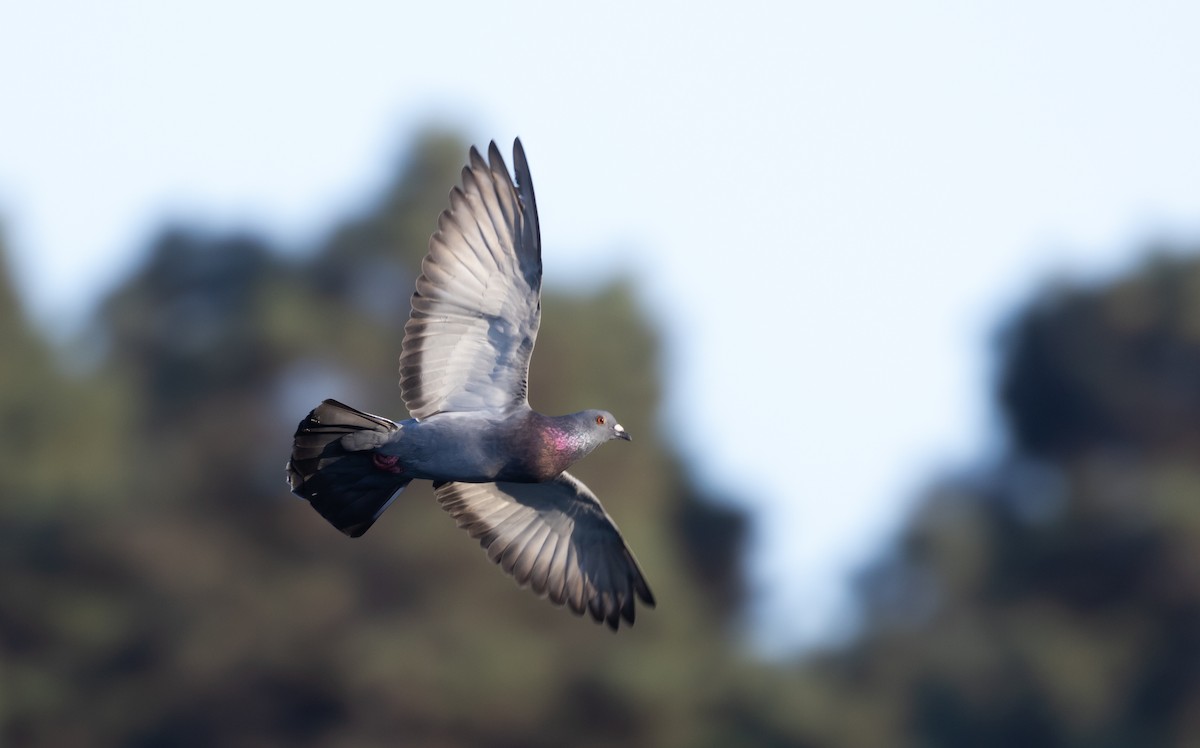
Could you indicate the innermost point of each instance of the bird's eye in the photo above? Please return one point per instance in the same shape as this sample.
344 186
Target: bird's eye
600 420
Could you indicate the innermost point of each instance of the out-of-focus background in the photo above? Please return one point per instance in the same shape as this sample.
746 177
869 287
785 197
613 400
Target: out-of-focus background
901 303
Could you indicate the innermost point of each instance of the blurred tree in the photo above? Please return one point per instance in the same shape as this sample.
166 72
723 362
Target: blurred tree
1054 598
1113 367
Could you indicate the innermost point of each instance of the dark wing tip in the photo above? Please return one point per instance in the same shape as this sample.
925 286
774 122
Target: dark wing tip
521 164
647 597
495 159
613 619
627 610
475 162
642 588
524 179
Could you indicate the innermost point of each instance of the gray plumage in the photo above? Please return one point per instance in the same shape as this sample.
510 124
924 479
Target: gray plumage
498 466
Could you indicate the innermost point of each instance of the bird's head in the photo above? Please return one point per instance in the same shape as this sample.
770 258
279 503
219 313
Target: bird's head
601 426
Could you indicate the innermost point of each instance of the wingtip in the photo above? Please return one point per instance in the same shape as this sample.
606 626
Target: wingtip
519 161
476 160
642 588
495 158
525 185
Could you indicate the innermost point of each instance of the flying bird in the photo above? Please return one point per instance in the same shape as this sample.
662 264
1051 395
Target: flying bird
498 466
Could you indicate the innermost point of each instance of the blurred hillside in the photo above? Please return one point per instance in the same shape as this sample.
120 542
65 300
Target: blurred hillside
162 588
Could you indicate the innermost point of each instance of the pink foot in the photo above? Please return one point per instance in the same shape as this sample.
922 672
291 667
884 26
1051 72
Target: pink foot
387 463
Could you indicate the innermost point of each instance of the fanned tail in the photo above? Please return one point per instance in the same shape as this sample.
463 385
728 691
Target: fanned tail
333 466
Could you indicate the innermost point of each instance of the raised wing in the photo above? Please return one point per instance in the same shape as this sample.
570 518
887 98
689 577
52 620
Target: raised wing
556 538
477 307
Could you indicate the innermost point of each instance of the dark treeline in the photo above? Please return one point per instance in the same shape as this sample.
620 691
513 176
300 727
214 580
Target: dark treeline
162 588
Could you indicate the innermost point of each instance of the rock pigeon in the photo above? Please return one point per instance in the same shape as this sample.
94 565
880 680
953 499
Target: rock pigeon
498 467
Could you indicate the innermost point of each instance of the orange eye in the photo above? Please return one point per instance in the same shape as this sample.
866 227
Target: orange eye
600 420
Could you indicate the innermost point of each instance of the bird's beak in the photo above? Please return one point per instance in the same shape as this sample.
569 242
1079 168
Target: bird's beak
622 433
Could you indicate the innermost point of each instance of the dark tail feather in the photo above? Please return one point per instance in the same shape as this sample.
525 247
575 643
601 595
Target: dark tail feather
333 466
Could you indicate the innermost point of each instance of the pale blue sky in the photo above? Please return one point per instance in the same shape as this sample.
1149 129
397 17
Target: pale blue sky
829 207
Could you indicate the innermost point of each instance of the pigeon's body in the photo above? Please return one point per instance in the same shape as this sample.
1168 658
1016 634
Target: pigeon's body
497 465
523 447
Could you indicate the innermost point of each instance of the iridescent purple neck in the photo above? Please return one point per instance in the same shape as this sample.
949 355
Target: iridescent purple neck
551 443
564 441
